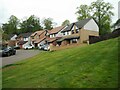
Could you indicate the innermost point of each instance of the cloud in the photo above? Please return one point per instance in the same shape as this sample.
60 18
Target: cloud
59 10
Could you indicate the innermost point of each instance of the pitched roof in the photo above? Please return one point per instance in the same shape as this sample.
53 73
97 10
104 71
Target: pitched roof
11 35
74 36
40 40
25 35
56 30
51 39
38 32
22 42
79 24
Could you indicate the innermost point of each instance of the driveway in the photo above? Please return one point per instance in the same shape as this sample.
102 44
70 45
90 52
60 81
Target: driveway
20 55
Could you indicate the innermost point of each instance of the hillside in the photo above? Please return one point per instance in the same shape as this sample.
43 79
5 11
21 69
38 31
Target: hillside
93 66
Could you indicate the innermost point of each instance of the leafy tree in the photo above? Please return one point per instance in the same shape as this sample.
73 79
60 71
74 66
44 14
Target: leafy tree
12 26
48 23
100 11
66 22
1 31
30 25
102 14
5 28
83 12
5 37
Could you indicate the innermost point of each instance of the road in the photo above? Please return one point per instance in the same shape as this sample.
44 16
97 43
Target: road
20 55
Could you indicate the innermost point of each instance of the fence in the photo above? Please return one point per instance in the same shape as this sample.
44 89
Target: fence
114 34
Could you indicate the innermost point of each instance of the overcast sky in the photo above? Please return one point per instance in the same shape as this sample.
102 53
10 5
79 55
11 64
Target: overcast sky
59 10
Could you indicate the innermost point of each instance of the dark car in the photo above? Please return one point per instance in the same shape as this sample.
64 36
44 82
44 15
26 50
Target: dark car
8 51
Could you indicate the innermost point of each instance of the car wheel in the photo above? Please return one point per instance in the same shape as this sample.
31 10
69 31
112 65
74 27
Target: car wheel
14 53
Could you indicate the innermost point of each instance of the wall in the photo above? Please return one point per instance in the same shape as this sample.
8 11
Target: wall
52 48
92 26
84 35
12 43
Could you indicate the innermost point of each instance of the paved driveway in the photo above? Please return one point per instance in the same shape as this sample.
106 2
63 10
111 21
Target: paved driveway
20 55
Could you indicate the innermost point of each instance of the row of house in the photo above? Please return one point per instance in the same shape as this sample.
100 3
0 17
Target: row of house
77 32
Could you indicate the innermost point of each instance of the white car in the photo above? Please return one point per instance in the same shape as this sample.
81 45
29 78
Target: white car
44 47
47 48
28 47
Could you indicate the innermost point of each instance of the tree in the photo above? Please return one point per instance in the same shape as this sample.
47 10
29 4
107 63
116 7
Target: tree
48 23
66 22
12 26
30 25
100 11
1 32
83 12
102 14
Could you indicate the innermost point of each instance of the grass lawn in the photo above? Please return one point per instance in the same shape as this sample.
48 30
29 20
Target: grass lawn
93 66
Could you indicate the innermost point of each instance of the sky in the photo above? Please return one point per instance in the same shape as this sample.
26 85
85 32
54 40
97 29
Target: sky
59 10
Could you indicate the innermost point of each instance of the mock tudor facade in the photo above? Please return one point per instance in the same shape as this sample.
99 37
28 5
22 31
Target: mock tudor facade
54 34
79 32
38 38
23 40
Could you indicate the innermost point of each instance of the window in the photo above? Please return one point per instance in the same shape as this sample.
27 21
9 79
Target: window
77 30
67 33
72 31
50 36
54 35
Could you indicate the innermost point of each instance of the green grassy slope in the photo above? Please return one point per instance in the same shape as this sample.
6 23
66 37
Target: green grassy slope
90 66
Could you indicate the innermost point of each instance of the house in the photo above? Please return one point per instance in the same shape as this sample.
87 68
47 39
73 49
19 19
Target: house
23 40
12 40
38 38
13 36
54 34
79 32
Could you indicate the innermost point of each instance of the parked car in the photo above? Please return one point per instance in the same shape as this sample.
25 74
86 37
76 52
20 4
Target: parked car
8 51
28 47
45 47
41 47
